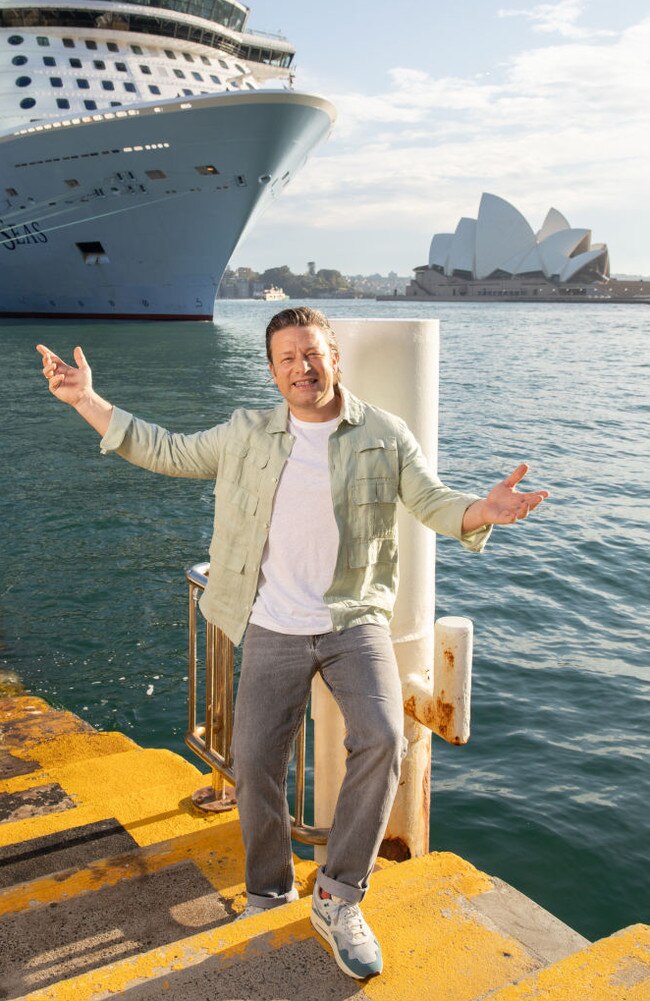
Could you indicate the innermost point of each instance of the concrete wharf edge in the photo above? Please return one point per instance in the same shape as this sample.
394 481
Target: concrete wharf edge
113 884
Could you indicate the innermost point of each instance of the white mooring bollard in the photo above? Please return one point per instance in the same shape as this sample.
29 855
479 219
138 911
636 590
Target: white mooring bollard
393 364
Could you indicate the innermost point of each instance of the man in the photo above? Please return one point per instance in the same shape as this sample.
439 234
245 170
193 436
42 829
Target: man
304 563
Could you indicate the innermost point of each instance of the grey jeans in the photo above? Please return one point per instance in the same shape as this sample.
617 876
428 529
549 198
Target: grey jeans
359 668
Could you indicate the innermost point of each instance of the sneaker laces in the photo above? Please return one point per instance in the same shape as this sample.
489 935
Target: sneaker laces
352 919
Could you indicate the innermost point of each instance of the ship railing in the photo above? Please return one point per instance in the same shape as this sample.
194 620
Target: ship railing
209 735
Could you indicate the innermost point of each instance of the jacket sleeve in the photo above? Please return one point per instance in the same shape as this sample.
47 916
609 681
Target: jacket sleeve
161 451
430 501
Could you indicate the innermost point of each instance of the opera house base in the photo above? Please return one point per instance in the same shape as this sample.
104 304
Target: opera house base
429 285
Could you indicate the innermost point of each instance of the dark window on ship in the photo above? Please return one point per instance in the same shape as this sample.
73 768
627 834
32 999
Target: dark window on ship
207 168
116 104
68 43
222 62
27 102
154 89
136 49
42 40
19 60
82 84
75 63
90 44
62 102
112 46
23 81
56 81
170 54
197 76
187 92
215 79
99 64
205 61
91 250
180 74
121 67
130 87
156 175
108 85
146 70
15 39
49 61
188 56
91 105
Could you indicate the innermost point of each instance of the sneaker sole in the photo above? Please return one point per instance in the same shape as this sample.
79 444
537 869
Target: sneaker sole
325 932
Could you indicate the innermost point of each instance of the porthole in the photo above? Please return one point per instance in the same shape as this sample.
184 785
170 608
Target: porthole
42 40
130 87
90 105
15 40
154 89
68 43
108 85
112 46
49 61
62 102
27 102
19 60
99 64
82 83
56 81
23 81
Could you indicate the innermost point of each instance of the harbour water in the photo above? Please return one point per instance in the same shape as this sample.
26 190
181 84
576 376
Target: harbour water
551 793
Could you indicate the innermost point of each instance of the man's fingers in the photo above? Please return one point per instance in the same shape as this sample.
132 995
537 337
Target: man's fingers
80 358
516 476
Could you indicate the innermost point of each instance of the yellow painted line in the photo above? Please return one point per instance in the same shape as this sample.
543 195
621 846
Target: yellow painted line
58 752
613 969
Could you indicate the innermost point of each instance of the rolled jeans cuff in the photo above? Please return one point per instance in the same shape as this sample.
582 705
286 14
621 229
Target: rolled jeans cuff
266 903
352 894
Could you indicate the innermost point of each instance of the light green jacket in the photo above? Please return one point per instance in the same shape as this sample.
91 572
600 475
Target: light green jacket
374 460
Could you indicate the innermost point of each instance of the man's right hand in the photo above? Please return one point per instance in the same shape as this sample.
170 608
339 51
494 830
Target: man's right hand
74 385
68 383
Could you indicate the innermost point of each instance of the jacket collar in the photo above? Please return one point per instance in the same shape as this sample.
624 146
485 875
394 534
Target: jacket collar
351 412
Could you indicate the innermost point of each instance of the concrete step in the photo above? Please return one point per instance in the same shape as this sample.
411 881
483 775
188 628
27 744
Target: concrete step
427 914
616 968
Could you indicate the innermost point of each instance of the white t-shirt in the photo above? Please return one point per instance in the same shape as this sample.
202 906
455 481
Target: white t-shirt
300 554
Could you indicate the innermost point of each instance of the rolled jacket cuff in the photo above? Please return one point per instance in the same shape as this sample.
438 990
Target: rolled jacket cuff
117 428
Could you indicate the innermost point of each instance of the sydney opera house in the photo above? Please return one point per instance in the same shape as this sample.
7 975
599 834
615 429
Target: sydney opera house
498 254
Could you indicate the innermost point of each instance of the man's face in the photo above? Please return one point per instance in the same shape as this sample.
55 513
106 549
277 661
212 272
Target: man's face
304 368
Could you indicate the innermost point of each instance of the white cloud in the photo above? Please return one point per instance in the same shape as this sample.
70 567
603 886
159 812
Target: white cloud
564 124
560 17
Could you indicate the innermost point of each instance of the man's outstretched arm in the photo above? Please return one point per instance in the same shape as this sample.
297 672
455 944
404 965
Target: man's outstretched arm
504 504
73 384
137 441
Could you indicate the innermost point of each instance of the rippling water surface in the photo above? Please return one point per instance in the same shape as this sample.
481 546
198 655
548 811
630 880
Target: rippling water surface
551 794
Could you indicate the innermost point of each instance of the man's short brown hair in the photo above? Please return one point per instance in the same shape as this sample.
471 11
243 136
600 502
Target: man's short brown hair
300 316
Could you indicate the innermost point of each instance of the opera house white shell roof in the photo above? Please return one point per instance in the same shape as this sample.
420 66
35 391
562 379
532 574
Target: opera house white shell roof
500 242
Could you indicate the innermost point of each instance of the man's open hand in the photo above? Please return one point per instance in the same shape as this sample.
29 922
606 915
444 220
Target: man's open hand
69 383
504 504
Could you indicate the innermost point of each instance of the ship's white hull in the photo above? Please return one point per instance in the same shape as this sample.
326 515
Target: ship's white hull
94 231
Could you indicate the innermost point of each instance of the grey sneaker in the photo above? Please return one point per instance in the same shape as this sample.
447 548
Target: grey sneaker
356 950
249 912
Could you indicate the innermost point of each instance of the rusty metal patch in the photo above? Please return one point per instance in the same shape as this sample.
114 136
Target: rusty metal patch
395 850
34 802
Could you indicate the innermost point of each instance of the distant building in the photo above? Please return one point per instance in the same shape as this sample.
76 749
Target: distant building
498 253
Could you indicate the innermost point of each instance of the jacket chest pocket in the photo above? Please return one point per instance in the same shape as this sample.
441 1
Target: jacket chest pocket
243 465
375 490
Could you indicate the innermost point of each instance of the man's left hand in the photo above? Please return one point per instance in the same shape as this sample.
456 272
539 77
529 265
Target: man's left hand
504 504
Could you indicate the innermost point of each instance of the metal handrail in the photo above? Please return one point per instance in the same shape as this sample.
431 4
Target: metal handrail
211 739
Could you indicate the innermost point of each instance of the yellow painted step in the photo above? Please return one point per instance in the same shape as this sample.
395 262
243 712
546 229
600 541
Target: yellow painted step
613 969
217 852
436 945
147 791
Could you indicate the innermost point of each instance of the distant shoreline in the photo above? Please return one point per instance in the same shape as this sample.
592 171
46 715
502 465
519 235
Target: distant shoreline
485 299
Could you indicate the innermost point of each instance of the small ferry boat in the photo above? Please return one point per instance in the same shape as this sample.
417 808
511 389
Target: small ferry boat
273 294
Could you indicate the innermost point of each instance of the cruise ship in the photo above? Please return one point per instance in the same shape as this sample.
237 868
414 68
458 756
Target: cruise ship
138 142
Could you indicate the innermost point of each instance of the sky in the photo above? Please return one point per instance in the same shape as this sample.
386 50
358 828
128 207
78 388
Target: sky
543 104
